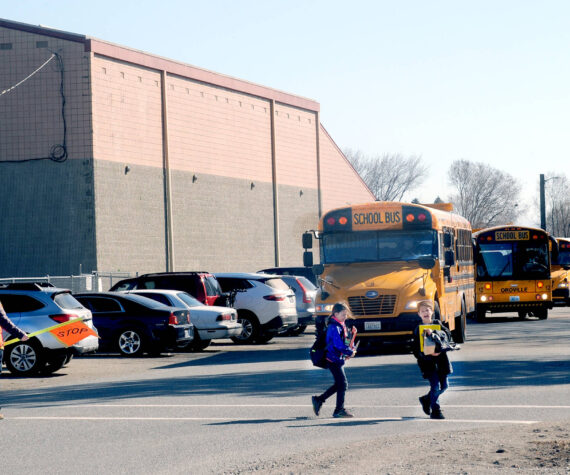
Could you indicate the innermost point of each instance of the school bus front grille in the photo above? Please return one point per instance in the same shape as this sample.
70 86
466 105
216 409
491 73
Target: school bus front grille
382 305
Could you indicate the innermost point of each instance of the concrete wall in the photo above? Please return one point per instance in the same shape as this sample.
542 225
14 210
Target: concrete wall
46 219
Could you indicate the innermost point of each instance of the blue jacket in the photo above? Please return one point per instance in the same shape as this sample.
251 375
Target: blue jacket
338 341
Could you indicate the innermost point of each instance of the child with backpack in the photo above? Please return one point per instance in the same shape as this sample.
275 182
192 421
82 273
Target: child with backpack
338 348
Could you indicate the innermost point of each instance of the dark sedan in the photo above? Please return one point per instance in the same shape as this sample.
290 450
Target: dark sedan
133 325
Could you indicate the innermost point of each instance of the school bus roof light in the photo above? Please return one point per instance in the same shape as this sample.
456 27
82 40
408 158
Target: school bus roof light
330 221
342 220
535 237
422 217
489 238
410 217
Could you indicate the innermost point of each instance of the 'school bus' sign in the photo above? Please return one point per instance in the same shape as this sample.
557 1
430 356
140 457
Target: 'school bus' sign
512 236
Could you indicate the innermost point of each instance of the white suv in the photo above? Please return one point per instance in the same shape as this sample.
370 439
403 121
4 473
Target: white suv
33 307
264 302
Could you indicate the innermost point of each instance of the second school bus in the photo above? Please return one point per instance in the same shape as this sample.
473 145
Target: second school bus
382 258
560 273
512 271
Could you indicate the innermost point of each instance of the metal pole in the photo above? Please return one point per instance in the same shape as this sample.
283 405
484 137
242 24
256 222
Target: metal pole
169 244
275 184
542 204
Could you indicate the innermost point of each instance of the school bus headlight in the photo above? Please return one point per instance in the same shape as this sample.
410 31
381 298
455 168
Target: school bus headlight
544 296
483 298
411 305
562 285
324 308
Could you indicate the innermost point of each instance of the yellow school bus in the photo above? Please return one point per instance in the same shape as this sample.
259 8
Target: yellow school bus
560 272
382 258
512 271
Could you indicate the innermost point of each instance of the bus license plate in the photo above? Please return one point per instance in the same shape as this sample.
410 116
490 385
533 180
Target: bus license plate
373 325
514 298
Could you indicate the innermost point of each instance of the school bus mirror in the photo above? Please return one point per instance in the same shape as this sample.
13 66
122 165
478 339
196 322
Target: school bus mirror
307 241
566 267
308 259
318 269
447 272
427 262
449 258
447 240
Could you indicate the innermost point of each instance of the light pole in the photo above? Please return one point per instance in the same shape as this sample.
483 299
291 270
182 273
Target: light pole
542 200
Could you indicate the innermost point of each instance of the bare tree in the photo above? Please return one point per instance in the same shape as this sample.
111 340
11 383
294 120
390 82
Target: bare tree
389 176
558 205
485 196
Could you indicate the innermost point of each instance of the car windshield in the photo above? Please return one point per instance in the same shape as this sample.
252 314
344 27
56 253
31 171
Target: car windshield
512 260
127 284
66 300
189 300
276 283
378 246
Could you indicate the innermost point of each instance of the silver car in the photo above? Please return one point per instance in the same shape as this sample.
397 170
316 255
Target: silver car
33 307
305 294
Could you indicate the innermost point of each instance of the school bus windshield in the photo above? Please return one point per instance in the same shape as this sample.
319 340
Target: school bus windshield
377 246
512 260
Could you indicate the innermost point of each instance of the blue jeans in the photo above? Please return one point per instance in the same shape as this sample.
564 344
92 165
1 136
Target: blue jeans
438 384
339 387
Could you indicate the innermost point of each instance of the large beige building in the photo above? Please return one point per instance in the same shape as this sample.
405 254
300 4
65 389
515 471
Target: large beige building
112 159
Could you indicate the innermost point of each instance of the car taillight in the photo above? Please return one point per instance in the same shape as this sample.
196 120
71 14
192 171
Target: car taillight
63 317
224 317
275 298
173 319
305 298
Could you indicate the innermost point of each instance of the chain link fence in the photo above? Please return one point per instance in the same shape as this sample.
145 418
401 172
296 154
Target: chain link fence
94 282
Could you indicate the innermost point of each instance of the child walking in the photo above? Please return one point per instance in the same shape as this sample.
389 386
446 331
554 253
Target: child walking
435 367
338 349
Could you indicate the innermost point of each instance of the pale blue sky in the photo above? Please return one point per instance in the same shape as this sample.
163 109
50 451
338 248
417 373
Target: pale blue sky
485 81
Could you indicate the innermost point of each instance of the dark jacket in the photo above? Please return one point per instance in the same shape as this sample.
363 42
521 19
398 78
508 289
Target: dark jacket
431 364
338 341
7 325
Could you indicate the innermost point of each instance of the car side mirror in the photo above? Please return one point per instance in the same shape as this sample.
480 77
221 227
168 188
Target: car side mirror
318 269
447 240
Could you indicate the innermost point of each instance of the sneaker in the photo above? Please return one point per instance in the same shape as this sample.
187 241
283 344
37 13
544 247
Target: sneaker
424 401
316 405
1 416
343 413
437 414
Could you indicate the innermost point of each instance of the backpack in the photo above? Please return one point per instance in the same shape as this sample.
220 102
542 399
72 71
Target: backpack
318 351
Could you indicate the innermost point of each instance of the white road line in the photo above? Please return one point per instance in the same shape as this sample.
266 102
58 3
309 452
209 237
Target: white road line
483 406
237 420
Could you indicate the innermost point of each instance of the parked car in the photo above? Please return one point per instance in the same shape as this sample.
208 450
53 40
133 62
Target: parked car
210 322
265 304
201 285
305 294
133 325
306 272
33 307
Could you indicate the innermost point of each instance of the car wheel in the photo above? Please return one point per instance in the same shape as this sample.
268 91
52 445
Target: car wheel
250 329
54 365
197 344
130 342
458 333
25 358
522 314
